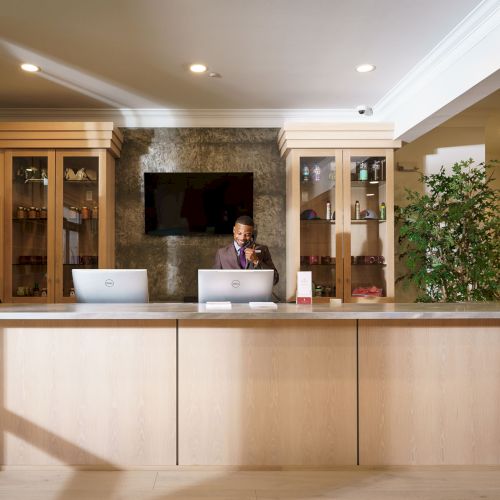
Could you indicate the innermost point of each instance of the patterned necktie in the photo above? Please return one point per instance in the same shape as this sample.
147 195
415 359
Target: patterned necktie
243 259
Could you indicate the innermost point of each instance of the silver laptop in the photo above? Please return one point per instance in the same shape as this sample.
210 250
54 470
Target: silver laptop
235 285
111 285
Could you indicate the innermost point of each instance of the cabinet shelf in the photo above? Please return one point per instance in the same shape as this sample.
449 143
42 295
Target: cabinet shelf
366 221
367 183
318 221
84 182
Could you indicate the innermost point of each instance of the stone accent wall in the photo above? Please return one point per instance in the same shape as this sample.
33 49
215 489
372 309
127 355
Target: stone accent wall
173 261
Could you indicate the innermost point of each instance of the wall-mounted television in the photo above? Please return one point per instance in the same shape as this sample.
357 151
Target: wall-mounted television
184 203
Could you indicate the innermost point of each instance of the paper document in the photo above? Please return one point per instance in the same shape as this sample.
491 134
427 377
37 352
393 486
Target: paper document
218 305
263 305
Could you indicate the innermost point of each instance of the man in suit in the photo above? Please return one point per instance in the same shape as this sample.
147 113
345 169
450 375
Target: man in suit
243 252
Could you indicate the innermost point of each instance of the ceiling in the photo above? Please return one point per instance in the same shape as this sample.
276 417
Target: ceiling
271 54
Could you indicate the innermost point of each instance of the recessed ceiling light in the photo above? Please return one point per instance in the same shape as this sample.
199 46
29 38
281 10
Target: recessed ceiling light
198 68
31 68
370 194
373 182
365 68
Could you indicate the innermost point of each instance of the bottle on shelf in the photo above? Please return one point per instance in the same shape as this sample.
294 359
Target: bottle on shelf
316 173
328 214
357 215
363 171
305 173
382 211
36 291
375 171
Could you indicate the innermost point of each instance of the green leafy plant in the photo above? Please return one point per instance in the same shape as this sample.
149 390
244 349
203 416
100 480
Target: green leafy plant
449 236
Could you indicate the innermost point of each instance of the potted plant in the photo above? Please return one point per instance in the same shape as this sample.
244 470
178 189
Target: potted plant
449 236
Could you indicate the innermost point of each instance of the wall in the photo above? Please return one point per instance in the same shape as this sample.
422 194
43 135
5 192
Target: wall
172 262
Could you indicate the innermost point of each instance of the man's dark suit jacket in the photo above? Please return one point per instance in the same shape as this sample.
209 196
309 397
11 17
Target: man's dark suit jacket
227 258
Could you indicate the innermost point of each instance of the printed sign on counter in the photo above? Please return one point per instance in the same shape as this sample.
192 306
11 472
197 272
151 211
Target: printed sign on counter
304 287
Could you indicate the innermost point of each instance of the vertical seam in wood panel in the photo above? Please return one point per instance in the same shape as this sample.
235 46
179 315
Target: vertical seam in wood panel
176 392
357 391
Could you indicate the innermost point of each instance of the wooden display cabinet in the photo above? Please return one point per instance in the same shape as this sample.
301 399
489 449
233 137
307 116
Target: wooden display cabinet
349 250
58 208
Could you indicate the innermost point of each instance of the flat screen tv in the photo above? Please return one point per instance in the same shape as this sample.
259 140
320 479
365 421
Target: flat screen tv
177 203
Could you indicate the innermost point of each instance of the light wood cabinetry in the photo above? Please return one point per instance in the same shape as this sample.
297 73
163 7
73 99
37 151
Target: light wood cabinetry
340 211
267 393
429 392
100 393
58 206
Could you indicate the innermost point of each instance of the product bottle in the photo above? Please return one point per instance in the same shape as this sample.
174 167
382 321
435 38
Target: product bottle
363 172
382 211
305 173
36 291
356 210
328 210
316 173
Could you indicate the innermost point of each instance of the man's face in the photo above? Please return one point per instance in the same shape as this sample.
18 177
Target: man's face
242 234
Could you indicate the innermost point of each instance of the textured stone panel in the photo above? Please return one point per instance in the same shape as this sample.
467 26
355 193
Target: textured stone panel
172 261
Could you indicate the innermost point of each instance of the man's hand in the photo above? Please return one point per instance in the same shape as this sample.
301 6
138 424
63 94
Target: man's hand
251 254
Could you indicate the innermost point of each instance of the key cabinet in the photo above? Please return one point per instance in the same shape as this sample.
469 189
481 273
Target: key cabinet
58 206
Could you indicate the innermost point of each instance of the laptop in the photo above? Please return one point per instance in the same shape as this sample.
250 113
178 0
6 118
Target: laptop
235 285
111 285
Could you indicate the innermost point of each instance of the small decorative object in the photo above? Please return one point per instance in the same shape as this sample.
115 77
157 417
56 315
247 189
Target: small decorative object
85 213
71 292
313 259
316 173
375 170
368 214
43 213
309 215
32 213
43 293
356 210
69 174
382 211
305 173
363 171
367 291
21 213
328 211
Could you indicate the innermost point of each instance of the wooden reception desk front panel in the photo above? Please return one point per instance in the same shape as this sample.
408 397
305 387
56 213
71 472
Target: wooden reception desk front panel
267 392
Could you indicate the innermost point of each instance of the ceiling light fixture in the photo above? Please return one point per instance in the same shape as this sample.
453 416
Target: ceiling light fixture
365 68
30 68
198 68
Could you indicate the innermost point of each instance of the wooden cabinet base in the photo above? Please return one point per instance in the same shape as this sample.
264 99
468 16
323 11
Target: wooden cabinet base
267 392
429 392
99 395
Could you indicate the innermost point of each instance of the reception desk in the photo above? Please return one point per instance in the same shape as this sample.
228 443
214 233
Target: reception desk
165 385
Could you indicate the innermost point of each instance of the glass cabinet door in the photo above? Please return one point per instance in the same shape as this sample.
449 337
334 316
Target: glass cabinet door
77 217
320 205
29 229
368 220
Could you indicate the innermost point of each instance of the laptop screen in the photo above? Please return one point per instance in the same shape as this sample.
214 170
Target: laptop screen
235 285
111 285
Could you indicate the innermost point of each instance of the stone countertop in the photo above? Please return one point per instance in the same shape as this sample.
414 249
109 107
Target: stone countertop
182 311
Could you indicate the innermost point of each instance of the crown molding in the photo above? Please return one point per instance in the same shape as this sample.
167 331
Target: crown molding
162 117
464 58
